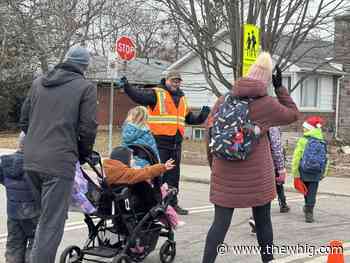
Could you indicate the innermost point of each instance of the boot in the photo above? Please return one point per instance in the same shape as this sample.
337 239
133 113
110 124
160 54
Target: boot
309 214
180 210
284 208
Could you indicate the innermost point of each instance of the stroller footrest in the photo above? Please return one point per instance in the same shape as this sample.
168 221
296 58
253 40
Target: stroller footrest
105 252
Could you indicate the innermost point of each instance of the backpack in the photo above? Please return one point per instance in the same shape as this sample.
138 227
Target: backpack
314 159
233 133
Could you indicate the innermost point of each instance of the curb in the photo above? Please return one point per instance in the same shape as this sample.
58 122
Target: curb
286 188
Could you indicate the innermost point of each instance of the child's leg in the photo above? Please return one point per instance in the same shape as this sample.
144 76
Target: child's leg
284 208
310 201
311 194
29 227
16 242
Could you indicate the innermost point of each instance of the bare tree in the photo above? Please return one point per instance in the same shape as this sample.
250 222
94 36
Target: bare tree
285 26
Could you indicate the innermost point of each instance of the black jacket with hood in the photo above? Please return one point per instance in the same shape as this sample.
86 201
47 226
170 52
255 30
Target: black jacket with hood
59 119
148 97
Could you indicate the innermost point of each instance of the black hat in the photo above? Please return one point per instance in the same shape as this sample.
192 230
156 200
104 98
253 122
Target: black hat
122 154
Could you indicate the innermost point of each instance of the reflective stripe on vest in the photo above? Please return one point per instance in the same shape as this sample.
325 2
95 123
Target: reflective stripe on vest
165 118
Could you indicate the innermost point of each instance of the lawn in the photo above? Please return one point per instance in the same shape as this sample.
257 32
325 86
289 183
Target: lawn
193 152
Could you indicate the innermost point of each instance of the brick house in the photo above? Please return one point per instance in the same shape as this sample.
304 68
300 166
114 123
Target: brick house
342 56
144 72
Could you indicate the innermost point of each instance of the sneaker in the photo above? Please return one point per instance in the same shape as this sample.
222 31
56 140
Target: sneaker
284 209
180 210
252 225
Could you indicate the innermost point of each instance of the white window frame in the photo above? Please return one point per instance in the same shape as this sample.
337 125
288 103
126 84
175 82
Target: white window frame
317 80
201 131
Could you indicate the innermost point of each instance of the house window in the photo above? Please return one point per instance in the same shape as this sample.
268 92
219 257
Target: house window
309 92
198 133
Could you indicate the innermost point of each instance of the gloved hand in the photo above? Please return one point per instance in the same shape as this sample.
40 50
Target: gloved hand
122 82
300 186
205 109
281 178
277 78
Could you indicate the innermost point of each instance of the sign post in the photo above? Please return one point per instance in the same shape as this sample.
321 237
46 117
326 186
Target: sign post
125 50
251 46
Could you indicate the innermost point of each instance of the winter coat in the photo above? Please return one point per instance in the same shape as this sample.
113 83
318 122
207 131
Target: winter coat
20 199
277 149
133 134
148 97
60 121
119 173
251 182
298 155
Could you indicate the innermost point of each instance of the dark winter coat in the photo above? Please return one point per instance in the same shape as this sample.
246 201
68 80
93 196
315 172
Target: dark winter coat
20 199
251 182
60 121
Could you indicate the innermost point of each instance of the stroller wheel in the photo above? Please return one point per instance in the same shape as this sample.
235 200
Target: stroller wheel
71 254
167 252
122 258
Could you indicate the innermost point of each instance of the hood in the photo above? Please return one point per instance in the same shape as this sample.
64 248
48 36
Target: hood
315 133
62 74
13 165
249 88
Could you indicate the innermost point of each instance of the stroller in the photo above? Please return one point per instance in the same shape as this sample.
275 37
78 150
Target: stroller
129 218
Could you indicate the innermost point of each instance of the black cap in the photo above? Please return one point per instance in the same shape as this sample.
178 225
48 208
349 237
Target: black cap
122 154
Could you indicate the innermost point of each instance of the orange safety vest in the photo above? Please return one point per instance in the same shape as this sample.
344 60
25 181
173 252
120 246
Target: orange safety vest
165 118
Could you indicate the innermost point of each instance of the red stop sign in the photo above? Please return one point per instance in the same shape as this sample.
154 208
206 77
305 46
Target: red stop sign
125 48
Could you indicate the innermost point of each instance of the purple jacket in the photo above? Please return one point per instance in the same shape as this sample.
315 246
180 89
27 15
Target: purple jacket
276 148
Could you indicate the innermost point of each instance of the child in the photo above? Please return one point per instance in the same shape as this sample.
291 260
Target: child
280 170
118 171
136 131
22 209
310 163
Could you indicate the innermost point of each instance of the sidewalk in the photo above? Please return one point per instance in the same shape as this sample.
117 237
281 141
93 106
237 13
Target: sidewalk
330 185
201 174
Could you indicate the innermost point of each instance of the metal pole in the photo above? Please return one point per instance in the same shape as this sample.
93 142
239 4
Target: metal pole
111 101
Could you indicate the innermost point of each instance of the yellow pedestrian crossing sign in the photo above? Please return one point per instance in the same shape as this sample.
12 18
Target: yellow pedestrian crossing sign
251 46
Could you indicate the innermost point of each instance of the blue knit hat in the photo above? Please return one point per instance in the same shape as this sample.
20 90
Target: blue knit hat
78 55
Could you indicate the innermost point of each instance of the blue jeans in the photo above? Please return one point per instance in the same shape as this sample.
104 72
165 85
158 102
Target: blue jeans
310 198
20 239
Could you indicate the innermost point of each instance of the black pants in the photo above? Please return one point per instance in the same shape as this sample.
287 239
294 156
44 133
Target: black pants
310 198
281 195
222 222
172 177
54 193
19 239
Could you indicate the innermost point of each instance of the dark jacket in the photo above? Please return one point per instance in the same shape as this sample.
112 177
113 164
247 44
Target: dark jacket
60 121
20 199
147 97
251 182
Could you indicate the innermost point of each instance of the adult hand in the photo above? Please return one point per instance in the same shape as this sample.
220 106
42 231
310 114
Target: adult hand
206 109
277 78
169 164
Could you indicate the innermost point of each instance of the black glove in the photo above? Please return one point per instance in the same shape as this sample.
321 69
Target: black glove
205 110
162 82
277 78
122 82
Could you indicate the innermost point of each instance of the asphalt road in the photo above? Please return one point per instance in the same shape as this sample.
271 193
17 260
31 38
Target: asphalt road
332 222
